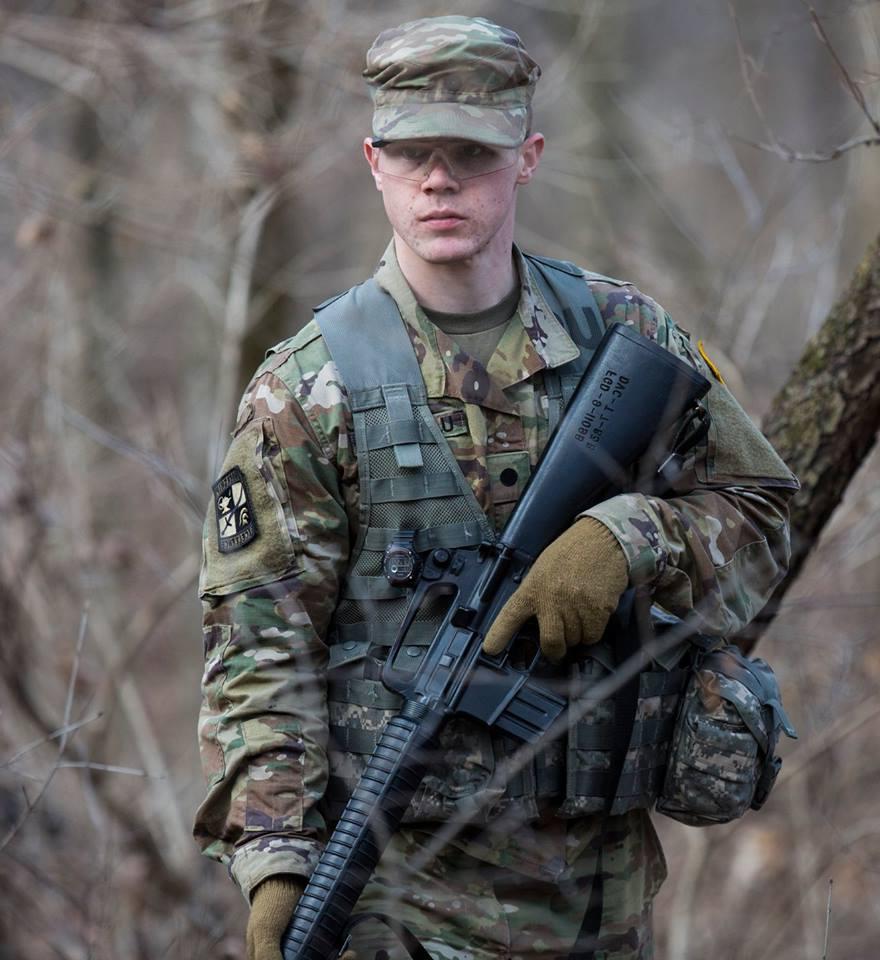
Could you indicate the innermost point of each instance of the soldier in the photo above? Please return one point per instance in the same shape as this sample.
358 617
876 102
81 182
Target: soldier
298 616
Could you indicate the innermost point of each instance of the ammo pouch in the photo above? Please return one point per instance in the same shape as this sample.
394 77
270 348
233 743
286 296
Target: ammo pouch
638 717
722 760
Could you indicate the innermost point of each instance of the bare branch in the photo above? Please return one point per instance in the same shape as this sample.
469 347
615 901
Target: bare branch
253 218
848 81
774 145
167 824
684 910
821 743
74 672
189 485
147 619
107 767
828 920
792 156
54 735
747 68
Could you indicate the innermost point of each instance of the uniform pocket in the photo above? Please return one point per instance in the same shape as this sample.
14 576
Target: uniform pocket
274 800
216 639
250 535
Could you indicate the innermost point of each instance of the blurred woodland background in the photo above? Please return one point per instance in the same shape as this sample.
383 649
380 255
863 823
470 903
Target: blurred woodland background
180 181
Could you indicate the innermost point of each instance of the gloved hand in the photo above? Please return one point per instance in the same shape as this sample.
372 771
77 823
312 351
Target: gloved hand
272 904
572 588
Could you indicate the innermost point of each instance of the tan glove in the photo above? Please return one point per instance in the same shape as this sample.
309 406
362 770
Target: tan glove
572 588
272 905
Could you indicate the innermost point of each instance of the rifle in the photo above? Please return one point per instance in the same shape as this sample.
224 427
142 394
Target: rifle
632 392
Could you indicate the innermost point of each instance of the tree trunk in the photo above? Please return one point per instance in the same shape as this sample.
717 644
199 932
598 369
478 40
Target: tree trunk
824 420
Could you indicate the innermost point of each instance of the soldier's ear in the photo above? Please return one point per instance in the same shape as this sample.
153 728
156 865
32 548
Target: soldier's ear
529 157
371 154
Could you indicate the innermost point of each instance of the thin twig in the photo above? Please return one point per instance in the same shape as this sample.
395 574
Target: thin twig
61 731
684 911
166 823
253 218
74 672
775 145
107 767
828 919
71 684
848 81
849 723
746 67
188 483
795 156
145 622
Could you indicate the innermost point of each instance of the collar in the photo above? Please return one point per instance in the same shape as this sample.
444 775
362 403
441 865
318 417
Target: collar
533 341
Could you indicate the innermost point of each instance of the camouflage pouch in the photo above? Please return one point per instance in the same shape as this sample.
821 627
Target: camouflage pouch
722 760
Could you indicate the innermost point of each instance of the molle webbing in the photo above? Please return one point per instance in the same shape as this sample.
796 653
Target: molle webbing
592 743
409 478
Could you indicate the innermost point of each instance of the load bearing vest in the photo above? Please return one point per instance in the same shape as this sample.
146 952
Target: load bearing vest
411 481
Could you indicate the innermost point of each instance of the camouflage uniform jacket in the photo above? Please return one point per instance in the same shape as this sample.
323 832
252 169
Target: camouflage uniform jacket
718 545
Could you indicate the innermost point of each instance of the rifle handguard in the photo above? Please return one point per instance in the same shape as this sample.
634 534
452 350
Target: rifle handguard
372 815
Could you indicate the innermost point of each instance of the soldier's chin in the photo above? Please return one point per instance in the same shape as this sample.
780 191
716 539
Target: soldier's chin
447 250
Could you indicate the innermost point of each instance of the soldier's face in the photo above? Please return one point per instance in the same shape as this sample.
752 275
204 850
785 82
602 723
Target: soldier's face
441 210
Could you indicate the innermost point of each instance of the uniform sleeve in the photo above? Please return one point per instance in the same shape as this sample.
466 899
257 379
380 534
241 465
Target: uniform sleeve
275 545
718 544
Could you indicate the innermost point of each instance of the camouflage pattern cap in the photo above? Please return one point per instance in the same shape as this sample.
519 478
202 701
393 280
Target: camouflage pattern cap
451 77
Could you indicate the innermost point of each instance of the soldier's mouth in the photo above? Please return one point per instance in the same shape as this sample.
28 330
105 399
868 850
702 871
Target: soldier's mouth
442 219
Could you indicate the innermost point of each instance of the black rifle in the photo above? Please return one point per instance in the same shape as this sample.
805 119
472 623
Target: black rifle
632 392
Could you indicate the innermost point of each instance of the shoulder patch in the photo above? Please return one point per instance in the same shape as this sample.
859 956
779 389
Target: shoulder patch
236 521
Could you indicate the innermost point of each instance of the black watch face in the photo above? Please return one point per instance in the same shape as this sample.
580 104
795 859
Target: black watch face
400 564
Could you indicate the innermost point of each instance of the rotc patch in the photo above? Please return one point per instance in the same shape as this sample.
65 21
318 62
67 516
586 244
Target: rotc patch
236 523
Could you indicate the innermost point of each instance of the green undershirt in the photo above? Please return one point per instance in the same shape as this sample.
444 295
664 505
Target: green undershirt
477 333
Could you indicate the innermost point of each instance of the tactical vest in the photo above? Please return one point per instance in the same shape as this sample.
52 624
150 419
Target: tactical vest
410 481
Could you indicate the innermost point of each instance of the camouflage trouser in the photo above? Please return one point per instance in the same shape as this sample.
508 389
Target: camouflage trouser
464 908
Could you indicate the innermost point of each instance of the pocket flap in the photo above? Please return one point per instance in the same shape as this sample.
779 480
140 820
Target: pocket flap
347 652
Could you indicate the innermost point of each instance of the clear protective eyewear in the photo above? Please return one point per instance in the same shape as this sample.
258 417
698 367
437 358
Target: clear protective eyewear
463 159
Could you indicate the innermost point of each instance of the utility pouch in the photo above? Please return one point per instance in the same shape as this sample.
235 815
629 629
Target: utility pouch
722 760
597 762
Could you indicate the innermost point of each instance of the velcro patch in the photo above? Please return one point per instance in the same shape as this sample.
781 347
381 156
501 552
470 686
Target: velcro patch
236 522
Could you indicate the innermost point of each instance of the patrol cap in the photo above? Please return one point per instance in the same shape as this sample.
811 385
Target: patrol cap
451 77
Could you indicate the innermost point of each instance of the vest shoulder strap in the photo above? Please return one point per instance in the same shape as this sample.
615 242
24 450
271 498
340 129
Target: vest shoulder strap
385 360
385 356
568 294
